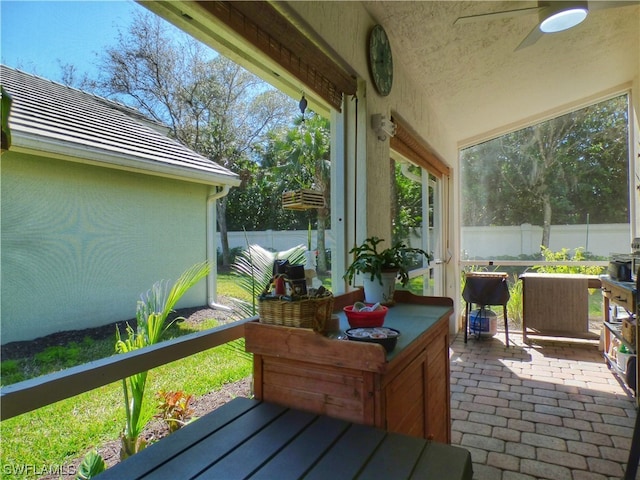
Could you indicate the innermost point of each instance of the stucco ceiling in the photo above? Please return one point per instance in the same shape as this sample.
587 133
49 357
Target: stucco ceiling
479 85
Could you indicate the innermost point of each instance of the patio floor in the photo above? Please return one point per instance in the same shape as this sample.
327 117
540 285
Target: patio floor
552 410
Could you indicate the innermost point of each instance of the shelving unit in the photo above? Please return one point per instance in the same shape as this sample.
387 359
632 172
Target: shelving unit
628 374
622 295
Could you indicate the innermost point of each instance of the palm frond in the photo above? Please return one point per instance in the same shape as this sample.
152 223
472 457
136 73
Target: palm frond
254 267
151 314
155 306
245 309
187 280
295 254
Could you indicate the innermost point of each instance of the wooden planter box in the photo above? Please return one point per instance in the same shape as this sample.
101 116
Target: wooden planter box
302 200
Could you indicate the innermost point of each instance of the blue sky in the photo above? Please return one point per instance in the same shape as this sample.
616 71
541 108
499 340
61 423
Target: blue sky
39 35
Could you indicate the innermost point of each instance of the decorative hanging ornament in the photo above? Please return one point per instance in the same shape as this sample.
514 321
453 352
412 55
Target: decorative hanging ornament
303 106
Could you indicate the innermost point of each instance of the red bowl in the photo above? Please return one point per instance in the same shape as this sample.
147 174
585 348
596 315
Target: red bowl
365 319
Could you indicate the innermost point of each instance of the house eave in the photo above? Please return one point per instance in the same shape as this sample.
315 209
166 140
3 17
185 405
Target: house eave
42 146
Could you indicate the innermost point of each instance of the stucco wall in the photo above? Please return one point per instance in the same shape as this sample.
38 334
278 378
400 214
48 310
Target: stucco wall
81 243
345 27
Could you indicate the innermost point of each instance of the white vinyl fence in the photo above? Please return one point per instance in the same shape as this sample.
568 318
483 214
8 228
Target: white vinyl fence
277 241
478 242
601 239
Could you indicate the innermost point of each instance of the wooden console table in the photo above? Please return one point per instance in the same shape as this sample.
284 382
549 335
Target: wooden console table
405 391
250 439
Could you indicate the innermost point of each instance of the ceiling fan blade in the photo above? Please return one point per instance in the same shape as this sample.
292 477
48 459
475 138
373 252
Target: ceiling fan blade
593 6
496 15
533 37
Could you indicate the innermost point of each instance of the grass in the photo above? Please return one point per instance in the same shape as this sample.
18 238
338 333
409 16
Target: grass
414 286
51 436
37 442
54 359
62 431
595 304
228 286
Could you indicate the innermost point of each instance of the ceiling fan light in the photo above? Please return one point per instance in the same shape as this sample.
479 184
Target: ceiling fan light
563 20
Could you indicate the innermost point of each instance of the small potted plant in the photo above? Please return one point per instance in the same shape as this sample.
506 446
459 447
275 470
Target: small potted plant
381 268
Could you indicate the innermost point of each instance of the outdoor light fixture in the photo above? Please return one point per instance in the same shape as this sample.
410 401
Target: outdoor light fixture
561 16
553 16
383 126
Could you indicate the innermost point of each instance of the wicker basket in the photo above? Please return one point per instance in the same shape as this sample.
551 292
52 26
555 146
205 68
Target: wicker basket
308 313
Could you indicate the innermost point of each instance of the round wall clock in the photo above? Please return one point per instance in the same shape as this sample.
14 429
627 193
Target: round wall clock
380 60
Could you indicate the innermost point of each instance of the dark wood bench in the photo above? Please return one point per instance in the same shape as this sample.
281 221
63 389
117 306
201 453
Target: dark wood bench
251 439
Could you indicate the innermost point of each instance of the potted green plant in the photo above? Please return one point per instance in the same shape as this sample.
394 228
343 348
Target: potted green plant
382 267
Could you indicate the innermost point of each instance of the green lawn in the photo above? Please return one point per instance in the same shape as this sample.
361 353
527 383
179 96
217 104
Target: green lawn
228 286
60 432
595 304
55 434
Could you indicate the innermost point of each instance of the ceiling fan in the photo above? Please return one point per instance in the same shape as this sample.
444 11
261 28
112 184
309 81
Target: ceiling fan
552 16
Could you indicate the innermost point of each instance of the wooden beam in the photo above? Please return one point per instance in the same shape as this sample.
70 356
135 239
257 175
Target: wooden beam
269 31
408 144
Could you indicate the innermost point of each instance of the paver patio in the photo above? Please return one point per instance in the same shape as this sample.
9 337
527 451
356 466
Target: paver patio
552 410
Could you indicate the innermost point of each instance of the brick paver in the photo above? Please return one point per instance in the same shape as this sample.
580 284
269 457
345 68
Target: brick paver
547 411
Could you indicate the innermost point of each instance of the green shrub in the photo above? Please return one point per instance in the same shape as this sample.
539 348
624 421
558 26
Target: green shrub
9 367
564 256
514 307
11 372
59 355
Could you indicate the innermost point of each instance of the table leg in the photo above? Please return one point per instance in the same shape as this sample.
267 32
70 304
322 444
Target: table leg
466 321
506 324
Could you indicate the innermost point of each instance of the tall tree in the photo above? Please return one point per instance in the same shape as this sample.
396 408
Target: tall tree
303 162
556 171
406 202
538 161
257 203
211 105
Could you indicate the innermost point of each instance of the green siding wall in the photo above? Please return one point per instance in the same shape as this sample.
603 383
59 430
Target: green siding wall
81 243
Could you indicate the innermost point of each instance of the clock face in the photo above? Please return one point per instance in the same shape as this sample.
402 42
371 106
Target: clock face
380 60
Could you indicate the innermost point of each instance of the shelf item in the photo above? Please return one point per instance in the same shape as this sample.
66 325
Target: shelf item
616 330
627 374
629 331
622 330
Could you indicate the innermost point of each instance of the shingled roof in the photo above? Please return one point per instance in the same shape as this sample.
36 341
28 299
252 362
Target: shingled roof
52 118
